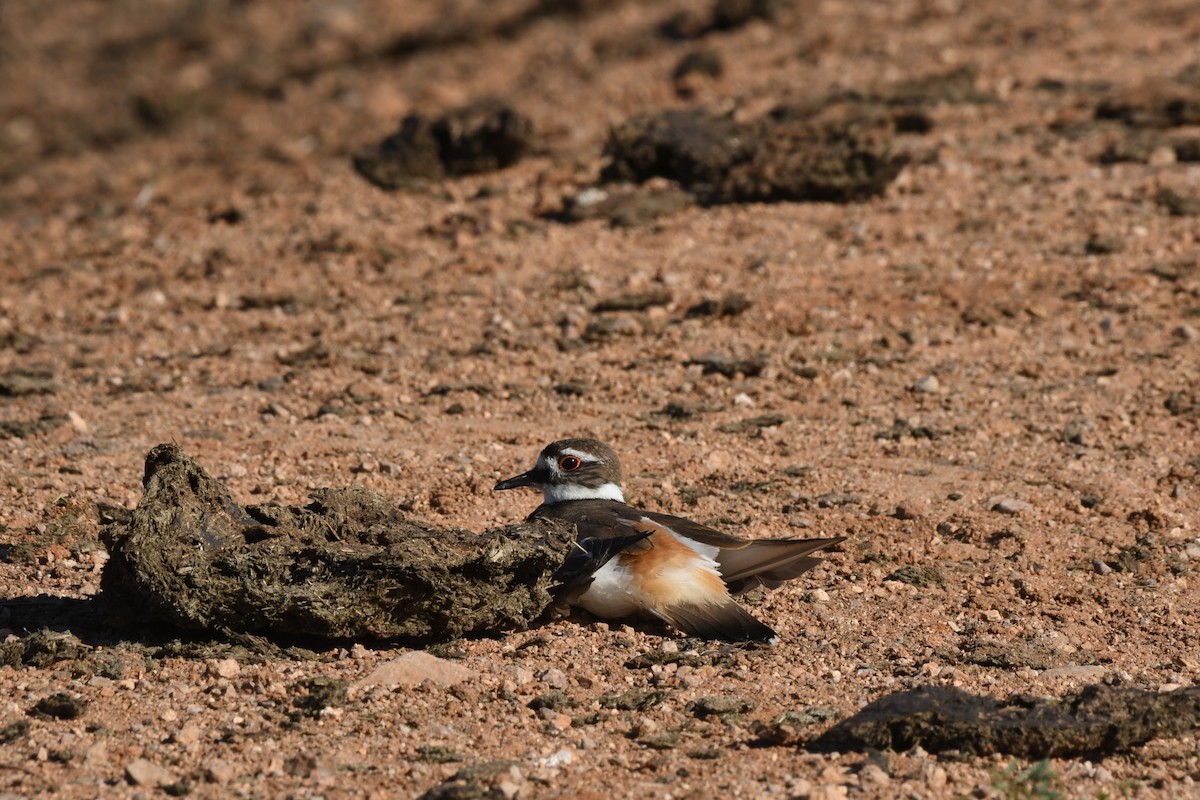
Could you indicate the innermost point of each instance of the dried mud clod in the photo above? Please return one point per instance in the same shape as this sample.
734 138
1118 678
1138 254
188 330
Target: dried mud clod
465 142
1096 721
781 157
349 565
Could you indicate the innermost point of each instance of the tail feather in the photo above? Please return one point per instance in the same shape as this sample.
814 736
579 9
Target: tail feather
774 578
725 620
769 562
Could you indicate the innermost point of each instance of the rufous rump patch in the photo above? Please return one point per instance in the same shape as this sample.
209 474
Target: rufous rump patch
669 573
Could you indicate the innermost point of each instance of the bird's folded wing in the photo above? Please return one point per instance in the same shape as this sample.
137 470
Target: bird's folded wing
769 562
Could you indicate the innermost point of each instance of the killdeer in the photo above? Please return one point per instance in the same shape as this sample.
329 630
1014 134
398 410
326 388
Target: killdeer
627 561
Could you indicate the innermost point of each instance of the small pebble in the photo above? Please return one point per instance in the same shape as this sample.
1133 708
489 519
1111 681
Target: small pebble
929 385
554 678
146 773
1100 567
1087 673
226 668
189 734
1011 505
220 772
873 774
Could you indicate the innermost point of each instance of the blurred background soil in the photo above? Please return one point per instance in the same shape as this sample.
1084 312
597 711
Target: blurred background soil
925 274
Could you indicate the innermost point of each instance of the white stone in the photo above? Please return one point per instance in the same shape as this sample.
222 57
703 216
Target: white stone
226 668
1011 505
1079 673
412 668
554 678
146 773
929 385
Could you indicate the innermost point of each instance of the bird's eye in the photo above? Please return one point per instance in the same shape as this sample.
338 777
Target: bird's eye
569 463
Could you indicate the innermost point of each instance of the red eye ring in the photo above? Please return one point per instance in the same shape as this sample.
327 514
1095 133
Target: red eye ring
569 463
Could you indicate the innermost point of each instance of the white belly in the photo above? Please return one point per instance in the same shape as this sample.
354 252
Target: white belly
611 594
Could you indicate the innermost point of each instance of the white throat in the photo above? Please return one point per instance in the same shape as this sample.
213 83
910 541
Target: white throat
557 493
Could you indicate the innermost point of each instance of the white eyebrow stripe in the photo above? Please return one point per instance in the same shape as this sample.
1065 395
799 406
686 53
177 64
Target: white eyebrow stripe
582 456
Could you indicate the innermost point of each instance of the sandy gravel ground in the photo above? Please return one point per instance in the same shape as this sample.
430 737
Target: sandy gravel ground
990 372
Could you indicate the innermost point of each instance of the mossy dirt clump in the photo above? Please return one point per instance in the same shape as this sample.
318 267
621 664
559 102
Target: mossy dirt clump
349 565
783 156
468 141
1096 721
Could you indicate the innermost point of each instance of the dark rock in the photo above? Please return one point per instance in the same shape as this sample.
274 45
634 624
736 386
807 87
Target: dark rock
705 753
730 14
1102 245
720 707
350 564
775 158
633 699
753 424
1160 103
1135 149
22 382
1187 151
788 728
312 695
229 215
438 754
660 657
556 701
1095 722
60 706
902 428
706 62
14 731
958 86
987 652
41 649
723 15
24 429
662 741
469 141
731 305
625 206
571 389
731 366
1182 404
480 781
916 575
681 410
1178 205
635 301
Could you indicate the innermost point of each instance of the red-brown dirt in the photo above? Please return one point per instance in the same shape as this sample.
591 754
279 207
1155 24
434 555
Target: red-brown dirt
985 377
